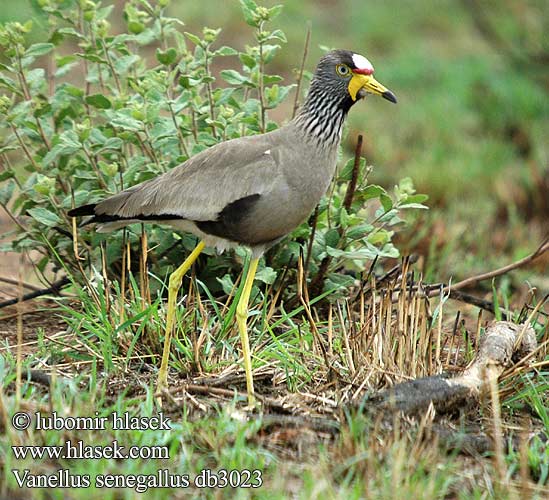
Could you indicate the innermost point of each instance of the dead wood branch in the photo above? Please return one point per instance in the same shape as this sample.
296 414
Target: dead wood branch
542 248
55 288
15 282
497 351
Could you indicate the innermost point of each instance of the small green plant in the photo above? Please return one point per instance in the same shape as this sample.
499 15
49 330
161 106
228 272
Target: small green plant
108 114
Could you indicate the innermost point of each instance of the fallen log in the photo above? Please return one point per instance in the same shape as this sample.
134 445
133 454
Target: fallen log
503 344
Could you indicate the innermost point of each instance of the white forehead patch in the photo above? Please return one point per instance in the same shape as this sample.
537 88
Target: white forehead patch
362 63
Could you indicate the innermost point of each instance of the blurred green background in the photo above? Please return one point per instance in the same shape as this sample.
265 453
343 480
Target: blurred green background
472 124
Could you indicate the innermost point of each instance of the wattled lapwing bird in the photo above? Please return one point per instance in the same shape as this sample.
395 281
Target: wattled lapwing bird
250 191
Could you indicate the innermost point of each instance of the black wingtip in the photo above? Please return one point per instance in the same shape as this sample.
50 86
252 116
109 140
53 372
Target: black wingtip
83 210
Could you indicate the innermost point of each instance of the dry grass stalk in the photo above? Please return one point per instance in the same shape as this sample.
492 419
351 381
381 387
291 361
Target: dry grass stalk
143 270
19 358
497 432
394 332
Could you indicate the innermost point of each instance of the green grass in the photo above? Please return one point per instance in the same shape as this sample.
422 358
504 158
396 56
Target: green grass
104 364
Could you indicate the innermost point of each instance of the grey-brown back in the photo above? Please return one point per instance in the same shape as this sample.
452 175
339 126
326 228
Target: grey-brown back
251 190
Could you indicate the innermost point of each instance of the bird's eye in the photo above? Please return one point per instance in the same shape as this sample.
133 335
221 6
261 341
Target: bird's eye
342 70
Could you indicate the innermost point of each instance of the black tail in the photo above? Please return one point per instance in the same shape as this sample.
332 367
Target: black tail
83 210
90 210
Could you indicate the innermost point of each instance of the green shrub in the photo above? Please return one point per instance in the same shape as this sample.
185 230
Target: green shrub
113 110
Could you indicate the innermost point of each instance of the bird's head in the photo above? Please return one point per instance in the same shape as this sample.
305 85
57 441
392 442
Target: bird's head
351 76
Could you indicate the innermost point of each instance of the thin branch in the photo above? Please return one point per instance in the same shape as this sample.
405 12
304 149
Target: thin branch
6 166
261 88
53 289
209 91
13 218
313 220
542 248
111 66
11 281
351 187
182 147
301 69
25 149
94 165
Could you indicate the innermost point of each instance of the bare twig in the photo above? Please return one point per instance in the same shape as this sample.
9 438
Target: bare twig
53 289
542 248
301 69
351 187
209 91
261 86
313 220
19 355
11 281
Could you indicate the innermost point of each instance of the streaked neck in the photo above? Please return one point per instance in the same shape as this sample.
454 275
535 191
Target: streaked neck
321 118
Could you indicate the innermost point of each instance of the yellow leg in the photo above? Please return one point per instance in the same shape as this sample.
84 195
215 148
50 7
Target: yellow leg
174 284
241 318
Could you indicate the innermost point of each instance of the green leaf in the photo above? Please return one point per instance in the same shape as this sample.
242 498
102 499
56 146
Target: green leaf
68 145
269 51
126 122
278 34
336 281
226 283
166 57
72 90
62 61
184 81
39 49
63 70
124 63
363 253
413 205
249 7
93 58
105 12
42 110
269 79
135 27
372 191
332 238
193 38
71 32
98 101
247 60
6 191
386 202
114 143
226 51
360 231
234 77
266 275
343 217
9 147
347 170
36 77
416 198
275 11
379 238
9 84
6 174
44 216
